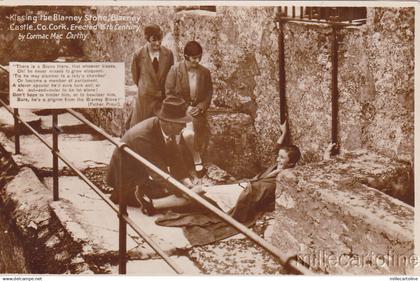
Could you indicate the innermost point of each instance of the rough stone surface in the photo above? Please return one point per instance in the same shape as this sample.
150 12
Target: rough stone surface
32 195
82 150
329 209
247 75
13 49
308 72
25 200
95 224
7 120
390 55
375 80
232 143
66 122
151 267
113 120
235 256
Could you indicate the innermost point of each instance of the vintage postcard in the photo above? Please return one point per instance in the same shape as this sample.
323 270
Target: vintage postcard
207 138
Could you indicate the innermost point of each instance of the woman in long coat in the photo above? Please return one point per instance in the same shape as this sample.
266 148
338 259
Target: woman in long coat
149 68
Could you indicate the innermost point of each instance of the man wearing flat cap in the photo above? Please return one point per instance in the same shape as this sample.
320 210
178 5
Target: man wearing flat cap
157 140
192 81
149 68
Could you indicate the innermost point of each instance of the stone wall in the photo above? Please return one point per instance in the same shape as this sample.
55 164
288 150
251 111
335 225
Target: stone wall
332 216
390 52
120 45
12 49
375 80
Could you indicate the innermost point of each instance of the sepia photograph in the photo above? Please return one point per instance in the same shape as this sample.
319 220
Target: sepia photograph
195 138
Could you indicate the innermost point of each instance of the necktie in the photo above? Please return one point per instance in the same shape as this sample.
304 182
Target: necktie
155 64
170 142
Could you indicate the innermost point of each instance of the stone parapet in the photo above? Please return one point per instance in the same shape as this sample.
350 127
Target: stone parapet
331 215
27 201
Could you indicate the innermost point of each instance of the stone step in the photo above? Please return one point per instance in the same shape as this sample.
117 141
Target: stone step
83 150
328 216
89 219
7 121
41 121
66 122
27 200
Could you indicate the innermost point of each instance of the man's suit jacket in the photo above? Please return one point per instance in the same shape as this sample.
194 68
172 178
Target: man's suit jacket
145 139
151 85
144 76
177 84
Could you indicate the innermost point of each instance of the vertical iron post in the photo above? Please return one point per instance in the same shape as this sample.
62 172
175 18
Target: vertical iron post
17 130
334 86
122 267
282 70
55 132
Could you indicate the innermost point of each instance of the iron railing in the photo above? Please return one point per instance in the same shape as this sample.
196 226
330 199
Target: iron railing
290 263
334 17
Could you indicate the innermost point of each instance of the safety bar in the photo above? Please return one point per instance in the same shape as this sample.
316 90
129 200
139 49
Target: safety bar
125 217
290 263
285 261
334 21
313 15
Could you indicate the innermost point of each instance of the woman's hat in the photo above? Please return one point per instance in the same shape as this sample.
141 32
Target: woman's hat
174 109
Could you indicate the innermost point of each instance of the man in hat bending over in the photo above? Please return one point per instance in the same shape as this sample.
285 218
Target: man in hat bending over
157 140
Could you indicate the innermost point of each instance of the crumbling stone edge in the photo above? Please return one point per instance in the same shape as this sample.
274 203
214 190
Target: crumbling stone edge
25 200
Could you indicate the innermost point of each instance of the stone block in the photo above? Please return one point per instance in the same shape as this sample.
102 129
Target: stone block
232 143
29 198
333 218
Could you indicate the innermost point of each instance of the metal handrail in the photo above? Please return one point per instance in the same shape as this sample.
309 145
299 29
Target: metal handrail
296 268
289 262
142 234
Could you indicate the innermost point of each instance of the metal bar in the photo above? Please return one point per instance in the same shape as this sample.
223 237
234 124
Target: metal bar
27 125
240 227
293 11
334 86
301 12
292 266
339 24
122 203
142 234
156 248
93 126
131 223
54 153
282 74
4 68
310 12
17 130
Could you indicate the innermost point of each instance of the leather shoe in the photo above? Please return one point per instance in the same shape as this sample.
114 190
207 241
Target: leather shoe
146 203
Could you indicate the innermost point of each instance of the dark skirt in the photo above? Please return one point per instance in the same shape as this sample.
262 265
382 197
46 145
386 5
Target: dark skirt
145 106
